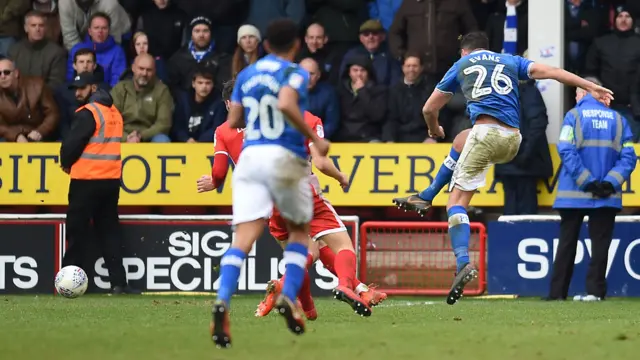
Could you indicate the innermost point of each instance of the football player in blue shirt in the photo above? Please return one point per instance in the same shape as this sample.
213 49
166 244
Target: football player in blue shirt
268 101
489 82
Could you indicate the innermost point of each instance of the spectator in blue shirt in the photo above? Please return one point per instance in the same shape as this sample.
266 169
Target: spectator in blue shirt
198 111
110 55
384 10
386 68
323 100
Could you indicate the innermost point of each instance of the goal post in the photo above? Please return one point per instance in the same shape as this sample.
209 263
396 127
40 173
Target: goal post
415 258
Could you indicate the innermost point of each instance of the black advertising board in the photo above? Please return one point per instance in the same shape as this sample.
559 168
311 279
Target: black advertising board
163 255
175 256
29 256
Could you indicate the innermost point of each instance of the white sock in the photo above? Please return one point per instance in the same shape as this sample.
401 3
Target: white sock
361 288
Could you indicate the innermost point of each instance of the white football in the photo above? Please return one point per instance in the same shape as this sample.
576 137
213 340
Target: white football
71 282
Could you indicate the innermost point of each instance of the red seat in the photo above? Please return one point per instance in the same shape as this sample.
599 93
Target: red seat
20 209
60 209
134 210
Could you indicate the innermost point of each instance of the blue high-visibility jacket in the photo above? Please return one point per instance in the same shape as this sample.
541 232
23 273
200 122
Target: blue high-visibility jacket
595 144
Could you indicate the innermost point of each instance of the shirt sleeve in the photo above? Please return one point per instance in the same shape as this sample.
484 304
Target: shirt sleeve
315 123
219 146
524 67
449 83
297 79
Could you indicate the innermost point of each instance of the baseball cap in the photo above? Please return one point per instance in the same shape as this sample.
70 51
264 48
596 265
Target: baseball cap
83 79
372 26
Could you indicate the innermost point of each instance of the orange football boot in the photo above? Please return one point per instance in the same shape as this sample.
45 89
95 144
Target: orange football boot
373 297
348 296
274 288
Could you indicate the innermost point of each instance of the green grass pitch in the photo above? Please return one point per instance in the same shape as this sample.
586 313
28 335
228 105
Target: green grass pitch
161 327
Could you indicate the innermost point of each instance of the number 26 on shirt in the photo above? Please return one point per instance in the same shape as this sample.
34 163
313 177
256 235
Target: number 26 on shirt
500 83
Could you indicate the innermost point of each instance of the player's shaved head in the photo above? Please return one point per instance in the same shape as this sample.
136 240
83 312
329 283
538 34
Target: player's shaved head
310 65
474 41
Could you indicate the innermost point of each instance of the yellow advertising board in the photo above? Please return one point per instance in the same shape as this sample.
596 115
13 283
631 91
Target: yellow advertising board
166 174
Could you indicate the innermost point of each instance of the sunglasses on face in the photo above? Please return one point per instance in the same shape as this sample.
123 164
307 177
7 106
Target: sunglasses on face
6 72
369 33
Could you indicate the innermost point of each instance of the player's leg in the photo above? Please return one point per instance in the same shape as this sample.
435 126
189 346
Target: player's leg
345 266
468 176
421 202
278 230
289 186
486 145
252 204
367 292
327 226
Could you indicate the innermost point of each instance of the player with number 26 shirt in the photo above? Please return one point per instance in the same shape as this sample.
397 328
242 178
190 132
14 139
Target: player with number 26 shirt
489 82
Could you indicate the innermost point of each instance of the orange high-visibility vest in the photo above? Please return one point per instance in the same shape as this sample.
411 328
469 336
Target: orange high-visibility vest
101 158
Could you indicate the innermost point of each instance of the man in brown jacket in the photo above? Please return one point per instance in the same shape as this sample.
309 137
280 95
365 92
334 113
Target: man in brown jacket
431 28
28 111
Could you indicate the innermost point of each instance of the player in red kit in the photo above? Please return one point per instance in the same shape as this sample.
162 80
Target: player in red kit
228 145
335 246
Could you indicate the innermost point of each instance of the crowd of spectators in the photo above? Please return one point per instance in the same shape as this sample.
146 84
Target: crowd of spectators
374 62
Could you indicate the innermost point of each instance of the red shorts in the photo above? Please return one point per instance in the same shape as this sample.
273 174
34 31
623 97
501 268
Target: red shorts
325 221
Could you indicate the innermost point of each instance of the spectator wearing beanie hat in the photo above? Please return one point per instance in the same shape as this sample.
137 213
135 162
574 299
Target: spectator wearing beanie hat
248 50
200 53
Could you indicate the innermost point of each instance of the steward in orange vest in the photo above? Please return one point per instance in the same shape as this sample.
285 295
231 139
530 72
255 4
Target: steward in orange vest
91 155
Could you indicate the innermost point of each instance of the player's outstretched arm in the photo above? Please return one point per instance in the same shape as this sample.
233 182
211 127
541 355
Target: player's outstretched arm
327 167
541 71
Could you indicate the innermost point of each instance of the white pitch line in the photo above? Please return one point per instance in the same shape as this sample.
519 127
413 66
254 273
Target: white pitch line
406 303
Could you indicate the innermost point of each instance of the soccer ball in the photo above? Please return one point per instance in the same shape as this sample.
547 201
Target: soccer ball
71 282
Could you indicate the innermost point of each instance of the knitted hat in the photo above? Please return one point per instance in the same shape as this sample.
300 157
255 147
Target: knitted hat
620 9
249 30
200 20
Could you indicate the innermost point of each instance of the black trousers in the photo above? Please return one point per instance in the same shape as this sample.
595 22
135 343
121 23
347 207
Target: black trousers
601 223
95 201
520 195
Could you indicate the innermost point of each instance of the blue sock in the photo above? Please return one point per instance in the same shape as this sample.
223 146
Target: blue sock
442 178
295 258
230 266
459 232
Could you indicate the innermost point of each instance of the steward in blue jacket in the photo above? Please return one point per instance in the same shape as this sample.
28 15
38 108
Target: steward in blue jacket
597 158
596 150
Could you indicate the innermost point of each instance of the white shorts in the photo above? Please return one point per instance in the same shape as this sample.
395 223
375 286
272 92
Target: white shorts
487 145
269 175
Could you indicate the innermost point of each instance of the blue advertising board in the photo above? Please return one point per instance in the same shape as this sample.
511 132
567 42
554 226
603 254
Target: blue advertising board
520 258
